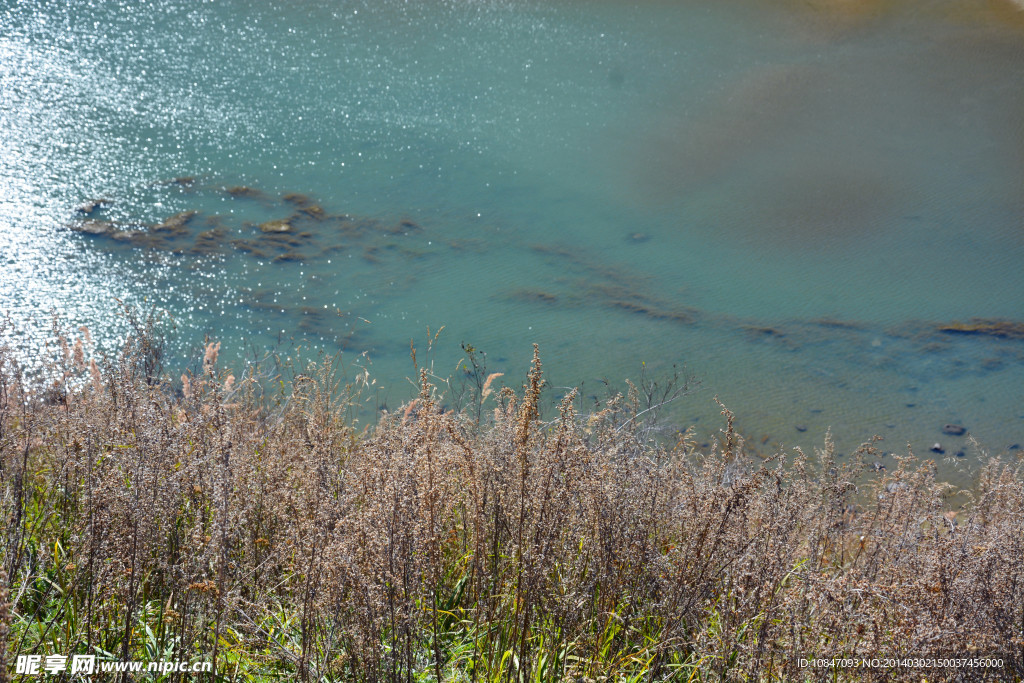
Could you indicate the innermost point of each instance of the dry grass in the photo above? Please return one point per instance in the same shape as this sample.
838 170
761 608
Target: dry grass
227 521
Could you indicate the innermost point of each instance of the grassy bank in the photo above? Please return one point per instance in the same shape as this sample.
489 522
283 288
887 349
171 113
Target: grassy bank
249 524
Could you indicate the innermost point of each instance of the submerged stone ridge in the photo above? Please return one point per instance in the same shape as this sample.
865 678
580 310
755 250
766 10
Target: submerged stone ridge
989 327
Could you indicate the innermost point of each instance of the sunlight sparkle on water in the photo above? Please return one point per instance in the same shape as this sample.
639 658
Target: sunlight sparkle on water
790 198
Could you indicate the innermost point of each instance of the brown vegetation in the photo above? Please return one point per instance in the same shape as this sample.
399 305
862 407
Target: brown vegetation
247 520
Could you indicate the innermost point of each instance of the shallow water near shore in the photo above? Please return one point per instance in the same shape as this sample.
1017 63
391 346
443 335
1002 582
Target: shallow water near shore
805 205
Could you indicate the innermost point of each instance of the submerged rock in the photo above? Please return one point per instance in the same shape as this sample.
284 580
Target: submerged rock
176 224
95 226
314 211
209 241
355 228
297 199
954 430
92 206
278 226
121 232
181 181
371 254
762 331
837 324
533 296
127 235
247 247
243 191
477 246
937 448
281 240
403 227
989 327
679 316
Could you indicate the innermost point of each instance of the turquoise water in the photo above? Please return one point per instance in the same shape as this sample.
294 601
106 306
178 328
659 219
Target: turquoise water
790 199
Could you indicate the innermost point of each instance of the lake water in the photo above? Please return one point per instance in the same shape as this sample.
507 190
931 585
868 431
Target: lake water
792 199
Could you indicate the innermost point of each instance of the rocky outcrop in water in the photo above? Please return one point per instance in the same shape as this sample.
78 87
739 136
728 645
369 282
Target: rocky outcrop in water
92 206
244 191
291 228
177 224
116 230
279 226
95 227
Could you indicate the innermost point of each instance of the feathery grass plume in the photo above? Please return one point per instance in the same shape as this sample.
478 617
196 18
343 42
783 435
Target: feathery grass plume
78 355
486 390
94 376
529 411
210 357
